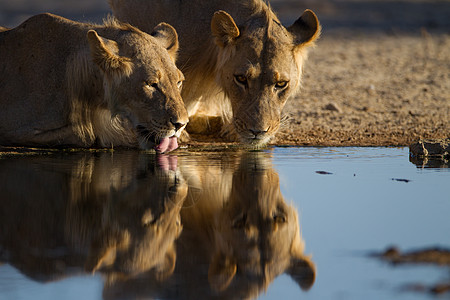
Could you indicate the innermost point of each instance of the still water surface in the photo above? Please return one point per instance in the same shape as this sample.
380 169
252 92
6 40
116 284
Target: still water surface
278 224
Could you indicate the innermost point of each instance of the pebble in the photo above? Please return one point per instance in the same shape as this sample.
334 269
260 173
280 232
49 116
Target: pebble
333 107
371 90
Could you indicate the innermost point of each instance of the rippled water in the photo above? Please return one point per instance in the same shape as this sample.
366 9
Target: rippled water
286 222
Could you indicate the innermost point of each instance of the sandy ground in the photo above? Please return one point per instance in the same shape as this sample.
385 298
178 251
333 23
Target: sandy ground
379 76
374 89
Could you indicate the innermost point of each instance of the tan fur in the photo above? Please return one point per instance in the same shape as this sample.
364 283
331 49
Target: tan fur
64 83
141 220
222 41
116 214
239 234
257 232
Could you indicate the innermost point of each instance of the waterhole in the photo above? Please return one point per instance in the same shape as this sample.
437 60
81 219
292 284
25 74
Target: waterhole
308 223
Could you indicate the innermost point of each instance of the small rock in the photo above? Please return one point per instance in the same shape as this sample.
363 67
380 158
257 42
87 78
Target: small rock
371 90
333 107
440 147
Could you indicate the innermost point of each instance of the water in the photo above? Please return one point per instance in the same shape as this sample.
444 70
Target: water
129 225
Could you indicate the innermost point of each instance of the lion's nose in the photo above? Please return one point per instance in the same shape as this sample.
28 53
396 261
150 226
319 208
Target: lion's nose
177 125
258 133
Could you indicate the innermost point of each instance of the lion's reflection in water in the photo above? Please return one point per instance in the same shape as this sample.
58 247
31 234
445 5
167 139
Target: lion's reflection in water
201 226
118 214
238 235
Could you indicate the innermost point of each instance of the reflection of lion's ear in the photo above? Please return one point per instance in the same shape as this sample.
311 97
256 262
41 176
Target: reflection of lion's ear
102 52
303 271
166 268
224 28
301 268
167 37
99 256
221 272
306 29
103 250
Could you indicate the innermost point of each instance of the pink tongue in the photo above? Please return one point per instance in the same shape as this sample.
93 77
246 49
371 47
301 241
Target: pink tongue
167 144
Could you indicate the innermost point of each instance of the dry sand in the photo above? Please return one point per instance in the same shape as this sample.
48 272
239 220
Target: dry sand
373 90
379 76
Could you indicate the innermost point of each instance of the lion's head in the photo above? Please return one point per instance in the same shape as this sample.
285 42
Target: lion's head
106 85
142 83
259 67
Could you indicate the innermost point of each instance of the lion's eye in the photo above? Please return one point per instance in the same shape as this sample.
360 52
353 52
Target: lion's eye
281 85
241 80
151 84
179 84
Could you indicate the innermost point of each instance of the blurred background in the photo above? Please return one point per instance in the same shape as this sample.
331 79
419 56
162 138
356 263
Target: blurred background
365 15
12 13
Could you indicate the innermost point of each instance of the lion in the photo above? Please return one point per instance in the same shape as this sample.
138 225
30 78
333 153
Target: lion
241 64
238 235
64 83
116 214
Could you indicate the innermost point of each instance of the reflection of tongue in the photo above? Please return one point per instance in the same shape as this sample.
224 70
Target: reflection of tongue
167 144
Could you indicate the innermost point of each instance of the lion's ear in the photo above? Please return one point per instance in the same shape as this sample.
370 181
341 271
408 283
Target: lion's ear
306 29
167 36
224 28
303 271
102 52
221 272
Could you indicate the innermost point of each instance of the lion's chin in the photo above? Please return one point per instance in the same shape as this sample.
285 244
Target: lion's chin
255 143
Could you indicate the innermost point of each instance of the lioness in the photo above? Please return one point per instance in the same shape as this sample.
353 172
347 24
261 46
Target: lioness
231 52
69 83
